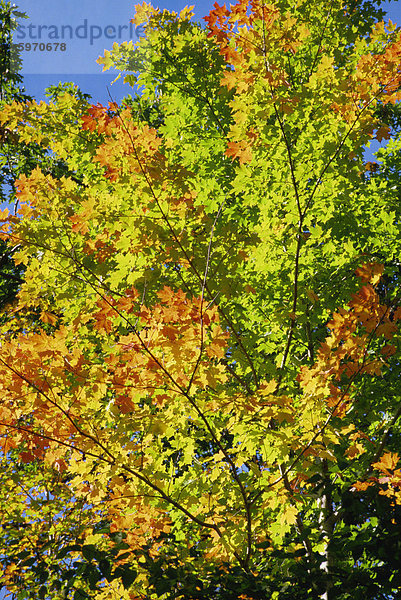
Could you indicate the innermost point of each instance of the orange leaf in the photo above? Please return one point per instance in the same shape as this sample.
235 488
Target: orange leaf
388 462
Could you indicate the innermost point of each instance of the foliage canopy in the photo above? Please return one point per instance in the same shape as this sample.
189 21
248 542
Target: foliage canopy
206 404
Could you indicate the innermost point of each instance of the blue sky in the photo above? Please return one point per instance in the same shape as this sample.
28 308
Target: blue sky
87 28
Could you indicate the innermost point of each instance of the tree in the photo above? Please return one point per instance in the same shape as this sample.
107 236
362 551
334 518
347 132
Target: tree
17 158
208 403
10 80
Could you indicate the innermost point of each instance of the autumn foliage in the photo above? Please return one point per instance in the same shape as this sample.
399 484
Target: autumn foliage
199 373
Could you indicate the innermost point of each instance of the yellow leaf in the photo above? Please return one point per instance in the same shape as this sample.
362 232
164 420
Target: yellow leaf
289 515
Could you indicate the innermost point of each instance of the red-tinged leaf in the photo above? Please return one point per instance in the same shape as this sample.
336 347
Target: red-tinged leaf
240 150
79 225
370 272
383 133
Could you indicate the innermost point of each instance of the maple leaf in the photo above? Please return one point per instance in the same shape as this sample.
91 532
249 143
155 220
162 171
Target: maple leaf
241 150
388 462
383 133
361 486
370 272
229 79
143 12
79 224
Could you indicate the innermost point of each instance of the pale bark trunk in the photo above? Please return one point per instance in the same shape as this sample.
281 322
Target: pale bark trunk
326 526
